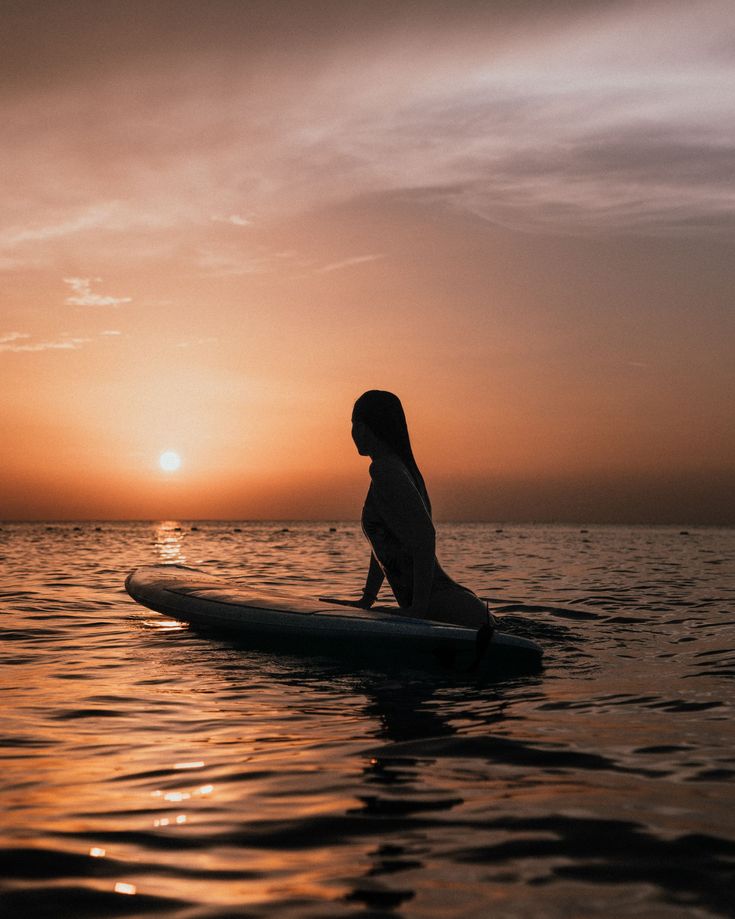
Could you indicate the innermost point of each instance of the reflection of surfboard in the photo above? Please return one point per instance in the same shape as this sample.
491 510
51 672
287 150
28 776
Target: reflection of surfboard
293 623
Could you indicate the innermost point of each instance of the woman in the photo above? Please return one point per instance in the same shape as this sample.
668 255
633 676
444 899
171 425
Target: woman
396 520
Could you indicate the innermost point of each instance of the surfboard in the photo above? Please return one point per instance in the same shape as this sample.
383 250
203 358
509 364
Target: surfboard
278 620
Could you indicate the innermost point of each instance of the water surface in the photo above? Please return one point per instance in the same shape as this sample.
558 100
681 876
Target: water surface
151 770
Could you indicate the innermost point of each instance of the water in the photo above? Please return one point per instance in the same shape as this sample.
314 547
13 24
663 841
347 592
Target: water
151 771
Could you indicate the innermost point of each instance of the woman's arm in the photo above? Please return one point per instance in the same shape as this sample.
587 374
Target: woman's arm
373 582
372 587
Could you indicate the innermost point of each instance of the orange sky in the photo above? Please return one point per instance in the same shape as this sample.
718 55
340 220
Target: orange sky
222 222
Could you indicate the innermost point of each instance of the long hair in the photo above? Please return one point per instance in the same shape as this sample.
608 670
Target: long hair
383 413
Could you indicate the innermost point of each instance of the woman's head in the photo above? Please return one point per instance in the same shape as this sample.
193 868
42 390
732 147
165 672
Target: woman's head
382 414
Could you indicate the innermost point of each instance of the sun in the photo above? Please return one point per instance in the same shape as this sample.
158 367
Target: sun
169 461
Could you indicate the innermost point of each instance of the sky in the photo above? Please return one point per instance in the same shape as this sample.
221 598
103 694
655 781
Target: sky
220 223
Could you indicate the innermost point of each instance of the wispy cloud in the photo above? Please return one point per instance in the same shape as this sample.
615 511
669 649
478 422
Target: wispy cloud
83 295
221 261
348 262
88 219
235 219
16 342
8 337
613 116
137 228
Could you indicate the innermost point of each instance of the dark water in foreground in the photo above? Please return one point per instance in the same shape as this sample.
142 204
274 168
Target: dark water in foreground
150 771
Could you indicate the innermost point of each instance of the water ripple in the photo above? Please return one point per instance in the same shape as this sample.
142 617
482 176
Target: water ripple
150 769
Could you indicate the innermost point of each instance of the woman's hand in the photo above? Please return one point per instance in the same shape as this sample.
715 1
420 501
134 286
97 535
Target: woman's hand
365 601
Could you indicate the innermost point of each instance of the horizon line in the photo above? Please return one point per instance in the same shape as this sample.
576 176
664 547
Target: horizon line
356 522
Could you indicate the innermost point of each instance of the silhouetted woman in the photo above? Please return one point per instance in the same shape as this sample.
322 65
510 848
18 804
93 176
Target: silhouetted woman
396 520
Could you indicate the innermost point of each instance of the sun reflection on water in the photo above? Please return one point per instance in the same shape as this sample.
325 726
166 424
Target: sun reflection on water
169 542
165 625
182 795
129 889
168 821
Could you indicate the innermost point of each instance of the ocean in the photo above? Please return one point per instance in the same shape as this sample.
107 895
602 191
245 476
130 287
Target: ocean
150 770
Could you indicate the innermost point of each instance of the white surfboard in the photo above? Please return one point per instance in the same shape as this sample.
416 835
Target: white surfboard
310 625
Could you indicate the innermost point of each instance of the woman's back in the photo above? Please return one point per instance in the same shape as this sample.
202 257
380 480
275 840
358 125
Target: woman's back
397 523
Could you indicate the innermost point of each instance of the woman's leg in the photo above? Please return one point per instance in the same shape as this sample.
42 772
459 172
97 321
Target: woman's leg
458 606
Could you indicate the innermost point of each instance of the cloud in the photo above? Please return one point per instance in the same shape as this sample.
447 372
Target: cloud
226 260
16 342
7 337
83 295
110 332
119 228
138 31
601 116
347 262
235 219
90 218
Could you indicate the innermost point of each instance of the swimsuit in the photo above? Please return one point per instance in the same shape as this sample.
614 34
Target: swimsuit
395 521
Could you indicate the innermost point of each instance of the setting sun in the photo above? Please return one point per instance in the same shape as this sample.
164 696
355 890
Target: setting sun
169 461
